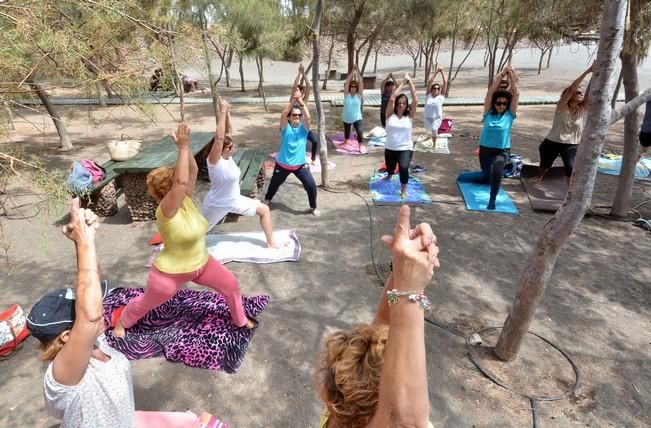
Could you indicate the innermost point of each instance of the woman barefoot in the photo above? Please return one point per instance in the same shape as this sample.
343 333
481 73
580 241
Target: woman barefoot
399 146
433 113
224 195
185 256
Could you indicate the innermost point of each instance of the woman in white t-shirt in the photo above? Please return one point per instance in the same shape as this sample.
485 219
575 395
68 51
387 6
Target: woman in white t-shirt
433 112
224 195
88 383
399 146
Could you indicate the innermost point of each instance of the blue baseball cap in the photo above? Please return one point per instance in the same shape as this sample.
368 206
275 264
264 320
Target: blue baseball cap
54 313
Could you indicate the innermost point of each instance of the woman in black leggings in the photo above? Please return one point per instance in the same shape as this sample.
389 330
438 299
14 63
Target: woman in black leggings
399 146
291 158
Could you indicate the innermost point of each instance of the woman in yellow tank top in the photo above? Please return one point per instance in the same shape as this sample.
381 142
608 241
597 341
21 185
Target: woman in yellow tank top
184 257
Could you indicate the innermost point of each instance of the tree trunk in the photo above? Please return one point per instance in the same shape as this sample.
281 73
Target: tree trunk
66 144
316 54
452 52
211 76
351 36
577 200
241 73
549 56
377 51
176 78
10 116
260 66
227 67
613 102
100 94
450 80
622 200
327 74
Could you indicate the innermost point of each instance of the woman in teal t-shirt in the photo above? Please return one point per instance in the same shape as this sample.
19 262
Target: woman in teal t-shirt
500 108
352 111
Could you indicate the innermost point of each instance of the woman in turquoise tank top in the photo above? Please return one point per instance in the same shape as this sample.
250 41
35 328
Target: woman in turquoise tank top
352 111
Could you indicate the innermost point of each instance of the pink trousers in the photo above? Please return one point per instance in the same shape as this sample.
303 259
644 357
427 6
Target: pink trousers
161 287
167 420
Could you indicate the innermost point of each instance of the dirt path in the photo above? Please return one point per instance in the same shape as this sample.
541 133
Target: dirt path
597 307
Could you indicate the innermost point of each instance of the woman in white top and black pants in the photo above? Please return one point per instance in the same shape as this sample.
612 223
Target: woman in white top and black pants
399 146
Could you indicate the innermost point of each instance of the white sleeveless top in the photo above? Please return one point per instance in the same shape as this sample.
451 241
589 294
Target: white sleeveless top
565 128
399 133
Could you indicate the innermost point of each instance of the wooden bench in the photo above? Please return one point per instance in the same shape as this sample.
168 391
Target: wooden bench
103 199
252 174
133 172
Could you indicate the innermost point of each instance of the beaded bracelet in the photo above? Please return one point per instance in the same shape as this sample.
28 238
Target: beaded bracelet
393 297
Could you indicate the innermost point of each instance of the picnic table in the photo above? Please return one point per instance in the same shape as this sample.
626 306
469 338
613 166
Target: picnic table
133 172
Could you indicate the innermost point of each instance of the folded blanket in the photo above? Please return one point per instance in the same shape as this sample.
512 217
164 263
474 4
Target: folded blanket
193 328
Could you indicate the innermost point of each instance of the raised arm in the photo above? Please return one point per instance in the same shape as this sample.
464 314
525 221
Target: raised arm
288 108
384 82
444 85
69 366
491 90
218 145
515 92
414 97
349 79
306 85
182 180
403 396
307 119
392 101
568 93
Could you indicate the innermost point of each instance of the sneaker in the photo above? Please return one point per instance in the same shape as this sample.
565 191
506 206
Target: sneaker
316 212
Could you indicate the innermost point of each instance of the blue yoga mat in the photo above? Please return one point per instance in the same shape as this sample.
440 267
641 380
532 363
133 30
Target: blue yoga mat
613 165
476 194
388 191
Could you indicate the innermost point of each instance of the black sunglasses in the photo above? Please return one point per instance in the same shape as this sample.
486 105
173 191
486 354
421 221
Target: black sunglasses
501 103
297 115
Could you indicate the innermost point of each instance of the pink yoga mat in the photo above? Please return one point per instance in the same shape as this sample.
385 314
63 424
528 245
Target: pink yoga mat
352 148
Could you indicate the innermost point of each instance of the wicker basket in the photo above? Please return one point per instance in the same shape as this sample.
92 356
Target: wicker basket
122 150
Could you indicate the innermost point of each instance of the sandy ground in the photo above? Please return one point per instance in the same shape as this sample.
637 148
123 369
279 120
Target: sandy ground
597 306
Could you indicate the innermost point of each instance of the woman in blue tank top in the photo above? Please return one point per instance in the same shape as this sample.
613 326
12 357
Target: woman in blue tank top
352 112
500 108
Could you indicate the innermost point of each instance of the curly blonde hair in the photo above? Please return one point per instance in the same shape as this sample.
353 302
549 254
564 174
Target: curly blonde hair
348 373
159 182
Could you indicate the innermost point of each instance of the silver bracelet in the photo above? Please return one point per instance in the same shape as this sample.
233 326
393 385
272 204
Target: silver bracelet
393 297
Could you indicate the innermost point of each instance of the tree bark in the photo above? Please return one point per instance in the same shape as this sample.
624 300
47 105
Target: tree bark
622 199
211 76
260 66
64 138
316 54
241 73
327 74
556 232
351 36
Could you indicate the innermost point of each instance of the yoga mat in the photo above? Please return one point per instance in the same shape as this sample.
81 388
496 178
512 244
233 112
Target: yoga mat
387 192
476 194
249 247
612 165
352 148
546 195
193 328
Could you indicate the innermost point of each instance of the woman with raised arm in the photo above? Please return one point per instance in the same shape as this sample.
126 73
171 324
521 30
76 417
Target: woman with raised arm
376 375
294 125
302 83
224 195
399 145
433 112
351 114
184 256
88 383
563 139
386 88
500 108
